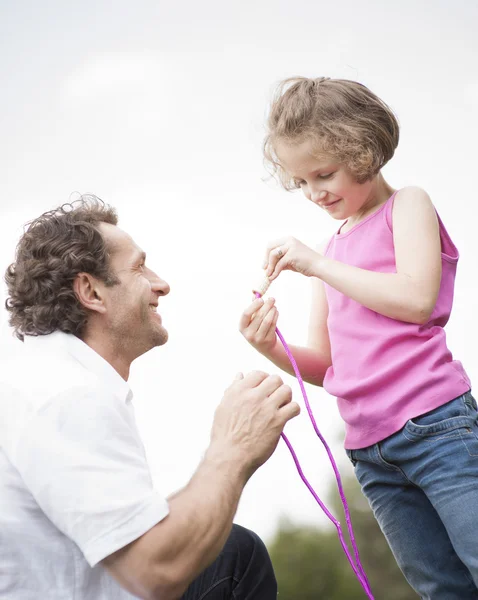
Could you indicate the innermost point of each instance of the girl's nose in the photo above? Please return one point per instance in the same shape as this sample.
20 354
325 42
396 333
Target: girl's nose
316 194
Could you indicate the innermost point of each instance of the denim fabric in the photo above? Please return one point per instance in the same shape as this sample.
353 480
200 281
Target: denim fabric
242 571
422 485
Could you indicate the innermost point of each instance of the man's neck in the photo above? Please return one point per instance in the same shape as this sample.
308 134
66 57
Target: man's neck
111 352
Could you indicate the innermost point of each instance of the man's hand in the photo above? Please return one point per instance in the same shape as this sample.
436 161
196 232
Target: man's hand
246 429
249 420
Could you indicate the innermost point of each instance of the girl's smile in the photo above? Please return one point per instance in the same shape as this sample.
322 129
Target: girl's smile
329 184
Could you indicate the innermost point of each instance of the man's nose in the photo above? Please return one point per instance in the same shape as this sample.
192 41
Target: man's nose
160 286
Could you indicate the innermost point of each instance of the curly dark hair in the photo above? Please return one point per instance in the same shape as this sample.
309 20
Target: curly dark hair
343 118
53 249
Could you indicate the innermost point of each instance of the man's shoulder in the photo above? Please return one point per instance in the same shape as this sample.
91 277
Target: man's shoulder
38 376
34 384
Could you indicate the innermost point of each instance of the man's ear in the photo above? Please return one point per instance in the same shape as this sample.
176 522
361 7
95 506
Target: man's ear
88 290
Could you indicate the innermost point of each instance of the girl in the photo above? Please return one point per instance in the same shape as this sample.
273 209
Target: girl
382 294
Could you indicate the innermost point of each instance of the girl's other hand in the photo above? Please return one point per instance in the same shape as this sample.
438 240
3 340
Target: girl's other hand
258 324
292 255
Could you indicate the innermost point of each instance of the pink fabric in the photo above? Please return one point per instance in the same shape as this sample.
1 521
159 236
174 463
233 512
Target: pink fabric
385 372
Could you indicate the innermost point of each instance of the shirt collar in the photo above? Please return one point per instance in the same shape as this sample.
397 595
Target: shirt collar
84 354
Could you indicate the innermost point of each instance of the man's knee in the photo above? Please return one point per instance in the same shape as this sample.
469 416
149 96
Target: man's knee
247 541
252 555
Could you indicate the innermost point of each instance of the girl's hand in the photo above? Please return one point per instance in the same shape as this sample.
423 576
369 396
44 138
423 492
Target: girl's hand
292 255
258 325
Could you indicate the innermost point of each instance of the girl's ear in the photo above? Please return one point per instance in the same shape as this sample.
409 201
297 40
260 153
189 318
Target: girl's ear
89 292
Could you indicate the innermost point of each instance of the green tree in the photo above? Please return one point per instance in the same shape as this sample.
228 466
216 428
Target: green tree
310 563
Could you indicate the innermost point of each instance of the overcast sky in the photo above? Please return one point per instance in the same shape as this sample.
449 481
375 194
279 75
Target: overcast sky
158 108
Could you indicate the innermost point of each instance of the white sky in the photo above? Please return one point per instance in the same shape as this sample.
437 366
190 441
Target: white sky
158 108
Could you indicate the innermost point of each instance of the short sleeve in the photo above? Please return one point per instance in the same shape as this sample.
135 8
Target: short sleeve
81 457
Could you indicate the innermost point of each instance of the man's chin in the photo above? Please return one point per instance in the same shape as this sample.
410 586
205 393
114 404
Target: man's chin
161 337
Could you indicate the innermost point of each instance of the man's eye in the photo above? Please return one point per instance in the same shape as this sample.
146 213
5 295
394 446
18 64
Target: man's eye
325 175
299 183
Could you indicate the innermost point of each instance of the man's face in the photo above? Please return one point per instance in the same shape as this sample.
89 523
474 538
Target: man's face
131 316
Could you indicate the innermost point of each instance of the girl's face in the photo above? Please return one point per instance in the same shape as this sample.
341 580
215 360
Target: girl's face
326 182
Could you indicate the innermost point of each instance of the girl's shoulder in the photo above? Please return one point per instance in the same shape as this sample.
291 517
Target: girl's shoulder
414 215
411 203
412 194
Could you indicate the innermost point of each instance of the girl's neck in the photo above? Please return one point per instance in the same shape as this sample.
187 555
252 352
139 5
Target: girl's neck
380 192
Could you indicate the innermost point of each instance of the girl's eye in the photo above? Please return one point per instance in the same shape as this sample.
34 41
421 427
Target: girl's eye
300 182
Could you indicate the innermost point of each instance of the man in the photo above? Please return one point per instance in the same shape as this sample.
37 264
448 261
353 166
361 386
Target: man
79 517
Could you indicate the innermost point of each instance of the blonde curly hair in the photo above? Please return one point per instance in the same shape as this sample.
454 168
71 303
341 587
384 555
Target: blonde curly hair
343 119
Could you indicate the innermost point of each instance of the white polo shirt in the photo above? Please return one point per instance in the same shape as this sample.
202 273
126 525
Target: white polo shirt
74 481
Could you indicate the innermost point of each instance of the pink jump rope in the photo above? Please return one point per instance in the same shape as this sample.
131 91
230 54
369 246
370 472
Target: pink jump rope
357 565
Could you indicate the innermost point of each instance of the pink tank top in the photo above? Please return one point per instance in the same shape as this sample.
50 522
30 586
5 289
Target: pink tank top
385 372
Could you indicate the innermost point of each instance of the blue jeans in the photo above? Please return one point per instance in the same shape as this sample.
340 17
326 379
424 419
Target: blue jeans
242 571
422 485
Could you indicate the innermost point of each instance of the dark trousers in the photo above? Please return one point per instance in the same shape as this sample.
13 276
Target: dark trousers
242 571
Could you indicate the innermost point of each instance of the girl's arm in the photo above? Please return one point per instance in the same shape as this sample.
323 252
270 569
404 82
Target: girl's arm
312 364
313 360
408 295
411 293
258 323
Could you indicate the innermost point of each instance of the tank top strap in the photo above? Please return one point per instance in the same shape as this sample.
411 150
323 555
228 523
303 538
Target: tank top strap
389 209
448 248
327 247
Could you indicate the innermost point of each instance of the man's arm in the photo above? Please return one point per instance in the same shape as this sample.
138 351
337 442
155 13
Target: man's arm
162 562
247 425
